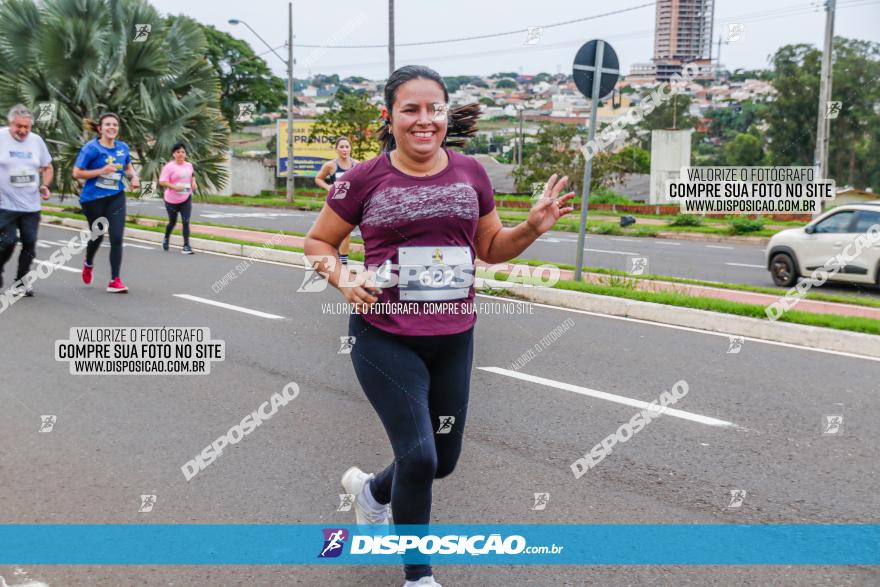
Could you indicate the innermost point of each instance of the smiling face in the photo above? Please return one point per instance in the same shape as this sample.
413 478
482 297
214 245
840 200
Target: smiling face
109 128
20 126
417 130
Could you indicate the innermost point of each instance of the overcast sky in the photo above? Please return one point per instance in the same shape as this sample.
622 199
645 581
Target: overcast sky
768 24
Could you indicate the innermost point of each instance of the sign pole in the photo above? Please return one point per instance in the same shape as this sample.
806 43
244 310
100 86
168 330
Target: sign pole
290 178
588 166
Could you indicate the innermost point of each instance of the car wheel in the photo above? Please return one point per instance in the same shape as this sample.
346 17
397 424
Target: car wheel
782 270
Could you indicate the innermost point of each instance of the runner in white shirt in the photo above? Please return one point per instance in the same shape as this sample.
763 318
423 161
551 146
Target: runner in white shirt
25 175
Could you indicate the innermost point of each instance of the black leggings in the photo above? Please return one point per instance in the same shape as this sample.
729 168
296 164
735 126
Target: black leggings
185 209
27 224
414 383
113 209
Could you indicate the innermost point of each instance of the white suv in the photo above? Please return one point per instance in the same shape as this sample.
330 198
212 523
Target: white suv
797 252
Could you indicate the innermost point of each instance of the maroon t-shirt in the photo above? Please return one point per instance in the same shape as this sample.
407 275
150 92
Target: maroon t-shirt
398 210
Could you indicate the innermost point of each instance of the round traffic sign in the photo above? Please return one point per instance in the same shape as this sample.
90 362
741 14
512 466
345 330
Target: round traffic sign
585 67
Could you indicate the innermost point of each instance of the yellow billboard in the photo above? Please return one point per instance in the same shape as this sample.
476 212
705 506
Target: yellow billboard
307 157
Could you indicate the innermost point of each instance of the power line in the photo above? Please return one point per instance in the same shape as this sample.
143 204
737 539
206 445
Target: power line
783 12
487 36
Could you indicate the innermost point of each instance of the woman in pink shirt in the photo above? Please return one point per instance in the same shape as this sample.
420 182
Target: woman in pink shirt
179 181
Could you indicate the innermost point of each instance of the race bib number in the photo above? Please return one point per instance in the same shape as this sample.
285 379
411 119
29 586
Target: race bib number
185 190
433 274
109 181
23 178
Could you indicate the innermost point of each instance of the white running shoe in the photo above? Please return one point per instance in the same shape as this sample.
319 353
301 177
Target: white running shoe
423 582
354 481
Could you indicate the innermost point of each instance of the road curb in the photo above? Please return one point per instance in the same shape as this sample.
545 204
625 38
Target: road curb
711 238
809 336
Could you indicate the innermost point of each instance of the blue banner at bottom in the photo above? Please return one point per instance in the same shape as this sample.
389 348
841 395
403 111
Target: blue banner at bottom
266 544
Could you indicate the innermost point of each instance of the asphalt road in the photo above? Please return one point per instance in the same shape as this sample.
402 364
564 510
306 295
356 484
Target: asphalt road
721 262
118 437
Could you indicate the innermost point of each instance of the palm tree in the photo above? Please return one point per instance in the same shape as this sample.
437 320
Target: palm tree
82 56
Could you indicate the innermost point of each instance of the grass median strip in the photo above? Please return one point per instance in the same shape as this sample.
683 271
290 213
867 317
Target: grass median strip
620 287
815 296
812 295
850 323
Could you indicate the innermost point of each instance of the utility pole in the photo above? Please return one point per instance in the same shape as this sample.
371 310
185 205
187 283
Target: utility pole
290 159
522 139
390 37
825 92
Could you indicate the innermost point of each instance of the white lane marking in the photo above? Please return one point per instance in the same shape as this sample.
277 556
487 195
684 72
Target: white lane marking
613 252
611 397
41 244
623 240
548 240
669 244
230 307
719 247
685 328
57 266
745 265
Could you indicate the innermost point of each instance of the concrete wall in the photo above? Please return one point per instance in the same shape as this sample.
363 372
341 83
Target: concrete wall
670 151
249 177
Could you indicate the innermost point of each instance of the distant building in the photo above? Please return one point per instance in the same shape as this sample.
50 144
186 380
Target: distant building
683 34
642 73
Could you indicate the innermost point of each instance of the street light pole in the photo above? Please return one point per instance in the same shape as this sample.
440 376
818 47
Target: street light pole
289 63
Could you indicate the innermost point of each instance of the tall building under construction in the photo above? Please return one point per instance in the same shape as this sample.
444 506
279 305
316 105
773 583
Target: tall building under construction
683 34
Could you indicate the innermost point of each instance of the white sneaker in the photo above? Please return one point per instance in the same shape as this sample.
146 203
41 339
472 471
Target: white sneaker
354 481
423 582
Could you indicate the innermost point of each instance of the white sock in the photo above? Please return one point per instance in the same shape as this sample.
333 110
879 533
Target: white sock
368 500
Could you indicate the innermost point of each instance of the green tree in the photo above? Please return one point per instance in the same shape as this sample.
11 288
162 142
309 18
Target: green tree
351 114
552 154
506 84
792 114
633 159
856 129
744 150
672 114
81 56
726 122
243 76
791 117
322 81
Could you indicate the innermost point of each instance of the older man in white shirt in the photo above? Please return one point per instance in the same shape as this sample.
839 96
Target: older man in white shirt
25 175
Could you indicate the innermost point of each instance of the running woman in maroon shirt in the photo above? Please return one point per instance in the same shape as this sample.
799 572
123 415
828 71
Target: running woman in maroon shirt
425 213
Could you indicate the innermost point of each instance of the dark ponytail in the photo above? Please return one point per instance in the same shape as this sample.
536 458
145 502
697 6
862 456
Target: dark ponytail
462 120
